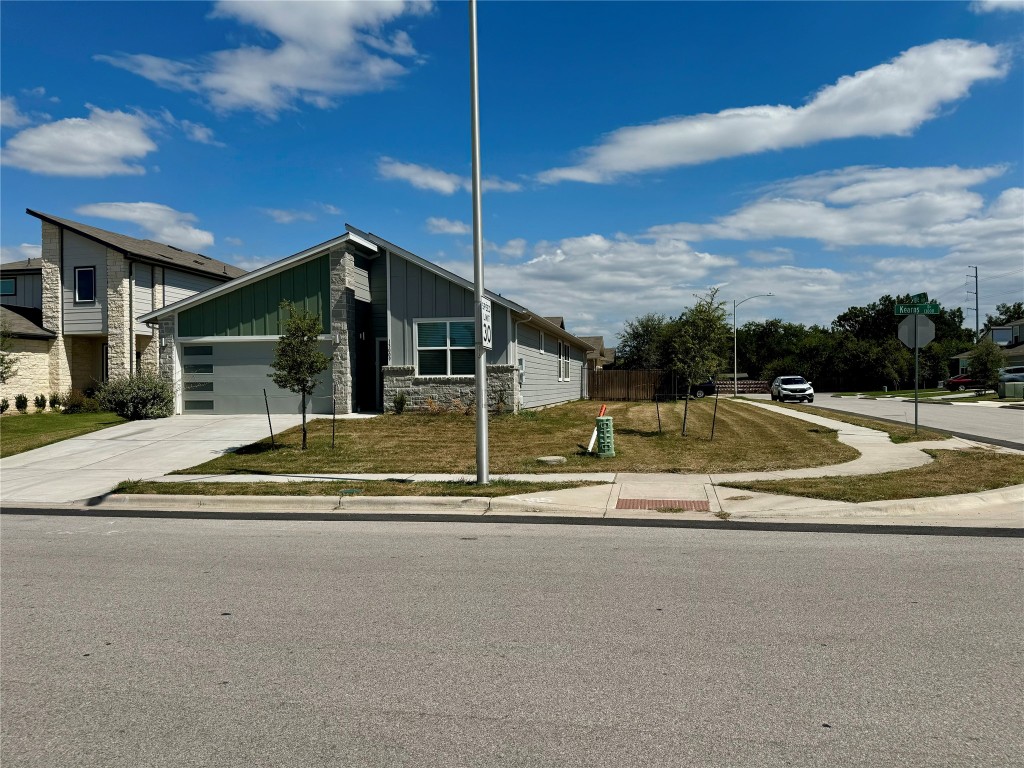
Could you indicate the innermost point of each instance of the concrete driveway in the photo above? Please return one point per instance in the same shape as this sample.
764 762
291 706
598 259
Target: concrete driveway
91 465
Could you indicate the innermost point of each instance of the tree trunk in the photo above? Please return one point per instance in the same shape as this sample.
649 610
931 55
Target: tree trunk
303 421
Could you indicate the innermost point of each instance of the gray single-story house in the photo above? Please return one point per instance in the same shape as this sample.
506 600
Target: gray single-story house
393 323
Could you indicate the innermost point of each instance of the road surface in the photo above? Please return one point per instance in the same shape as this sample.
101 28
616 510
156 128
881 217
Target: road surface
209 643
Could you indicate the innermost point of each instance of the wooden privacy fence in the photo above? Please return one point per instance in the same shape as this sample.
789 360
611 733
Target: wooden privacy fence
644 384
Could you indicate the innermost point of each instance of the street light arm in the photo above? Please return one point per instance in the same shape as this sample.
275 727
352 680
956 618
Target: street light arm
735 362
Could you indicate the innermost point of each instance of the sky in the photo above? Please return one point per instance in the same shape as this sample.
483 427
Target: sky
633 154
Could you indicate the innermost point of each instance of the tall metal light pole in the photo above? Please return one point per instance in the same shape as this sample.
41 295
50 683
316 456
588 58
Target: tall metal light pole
735 365
482 473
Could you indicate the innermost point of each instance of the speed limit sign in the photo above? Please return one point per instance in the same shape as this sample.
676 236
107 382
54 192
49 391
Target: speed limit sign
486 332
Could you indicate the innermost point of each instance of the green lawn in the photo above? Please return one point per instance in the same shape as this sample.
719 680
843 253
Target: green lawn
746 438
346 488
896 393
23 432
898 433
952 472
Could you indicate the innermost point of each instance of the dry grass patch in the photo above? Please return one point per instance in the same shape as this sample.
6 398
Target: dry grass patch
898 433
951 473
746 438
345 488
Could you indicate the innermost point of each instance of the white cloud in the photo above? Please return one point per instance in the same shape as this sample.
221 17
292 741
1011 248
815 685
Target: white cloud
160 222
10 115
196 132
434 180
330 210
20 252
103 144
512 249
234 241
322 51
441 226
891 99
772 256
989 6
282 216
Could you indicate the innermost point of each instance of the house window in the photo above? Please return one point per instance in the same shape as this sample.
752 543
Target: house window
85 283
8 286
563 361
445 347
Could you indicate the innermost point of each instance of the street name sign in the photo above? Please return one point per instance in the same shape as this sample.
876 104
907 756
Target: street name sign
919 298
916 331
917 309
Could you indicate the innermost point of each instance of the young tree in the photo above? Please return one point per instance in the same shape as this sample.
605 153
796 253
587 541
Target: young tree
8 369
698 342
985 362
298 360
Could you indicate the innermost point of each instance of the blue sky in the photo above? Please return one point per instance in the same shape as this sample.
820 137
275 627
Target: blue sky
633 153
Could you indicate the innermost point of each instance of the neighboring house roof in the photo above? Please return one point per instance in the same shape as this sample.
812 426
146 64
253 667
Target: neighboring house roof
557 320
25 322
147 250
601 353
23 267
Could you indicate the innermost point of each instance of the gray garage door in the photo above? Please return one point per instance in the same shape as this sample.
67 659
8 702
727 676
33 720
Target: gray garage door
230 376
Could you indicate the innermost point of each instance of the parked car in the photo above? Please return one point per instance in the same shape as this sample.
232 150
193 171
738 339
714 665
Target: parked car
703 390
792 388
1012 373
963 382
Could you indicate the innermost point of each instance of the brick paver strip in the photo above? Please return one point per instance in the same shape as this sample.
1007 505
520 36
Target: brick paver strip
687 504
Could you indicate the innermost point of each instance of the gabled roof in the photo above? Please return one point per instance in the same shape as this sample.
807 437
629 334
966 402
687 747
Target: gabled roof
147 250
25 322
25 266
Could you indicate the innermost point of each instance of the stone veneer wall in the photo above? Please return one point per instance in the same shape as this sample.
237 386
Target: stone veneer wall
32 359
343 317
165 352
502 387
53 319
119 322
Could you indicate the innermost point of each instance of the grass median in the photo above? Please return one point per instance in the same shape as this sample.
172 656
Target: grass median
347 488
898 433
746 439
23 432
952 472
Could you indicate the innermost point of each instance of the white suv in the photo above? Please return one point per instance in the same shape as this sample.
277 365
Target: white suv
792 388
1013 373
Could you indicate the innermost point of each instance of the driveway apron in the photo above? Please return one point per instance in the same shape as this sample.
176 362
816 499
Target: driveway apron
91 465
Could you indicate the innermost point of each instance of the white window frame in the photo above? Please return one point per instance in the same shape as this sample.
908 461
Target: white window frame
563 361
77 297
448 341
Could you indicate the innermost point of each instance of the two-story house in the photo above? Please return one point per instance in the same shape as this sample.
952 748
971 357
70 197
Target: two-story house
76 307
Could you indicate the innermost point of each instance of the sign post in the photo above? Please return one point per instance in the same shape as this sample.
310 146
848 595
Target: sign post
916 331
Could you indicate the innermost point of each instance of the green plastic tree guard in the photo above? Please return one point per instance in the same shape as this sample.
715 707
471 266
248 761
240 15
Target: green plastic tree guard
605 437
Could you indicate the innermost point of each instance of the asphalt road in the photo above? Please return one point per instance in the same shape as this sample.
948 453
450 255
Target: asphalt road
209 643
1003 426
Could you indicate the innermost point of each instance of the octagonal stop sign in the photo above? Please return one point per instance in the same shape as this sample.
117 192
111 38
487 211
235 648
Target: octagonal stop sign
925 331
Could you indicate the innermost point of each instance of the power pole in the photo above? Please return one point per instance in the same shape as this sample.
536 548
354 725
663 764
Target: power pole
977 317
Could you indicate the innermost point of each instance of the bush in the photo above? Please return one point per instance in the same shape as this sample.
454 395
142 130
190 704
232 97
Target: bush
399 403
55 401
75 401
40 402
21 402
142 395
4 405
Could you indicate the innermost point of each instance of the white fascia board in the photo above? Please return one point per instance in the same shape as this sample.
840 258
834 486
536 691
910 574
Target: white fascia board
550 328
259 274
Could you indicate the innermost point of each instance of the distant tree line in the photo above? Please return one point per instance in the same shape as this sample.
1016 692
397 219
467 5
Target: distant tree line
859 350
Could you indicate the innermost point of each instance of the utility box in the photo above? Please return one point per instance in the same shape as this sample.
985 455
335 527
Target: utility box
605 437
1007 389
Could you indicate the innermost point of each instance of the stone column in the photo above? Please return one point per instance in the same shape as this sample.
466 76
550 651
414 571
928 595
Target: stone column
163 341
119 321
53 309
343 314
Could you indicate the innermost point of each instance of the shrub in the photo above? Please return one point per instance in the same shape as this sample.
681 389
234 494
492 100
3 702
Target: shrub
55 401
40 402
75 401
142 395
21 402
4 405
399 402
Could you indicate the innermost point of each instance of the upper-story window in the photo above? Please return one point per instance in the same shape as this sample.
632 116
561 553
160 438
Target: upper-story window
85 283
445 347
8 286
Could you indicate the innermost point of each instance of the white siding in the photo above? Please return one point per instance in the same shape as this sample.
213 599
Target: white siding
540 380
142 295
84 317
181 285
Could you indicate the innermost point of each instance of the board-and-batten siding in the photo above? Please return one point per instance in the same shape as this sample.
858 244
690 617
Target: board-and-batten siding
181 285
378 269
142 295
254 309
84 317
28 291
541 370
418 294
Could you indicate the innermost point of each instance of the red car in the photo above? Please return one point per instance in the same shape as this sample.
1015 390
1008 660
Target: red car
963 382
